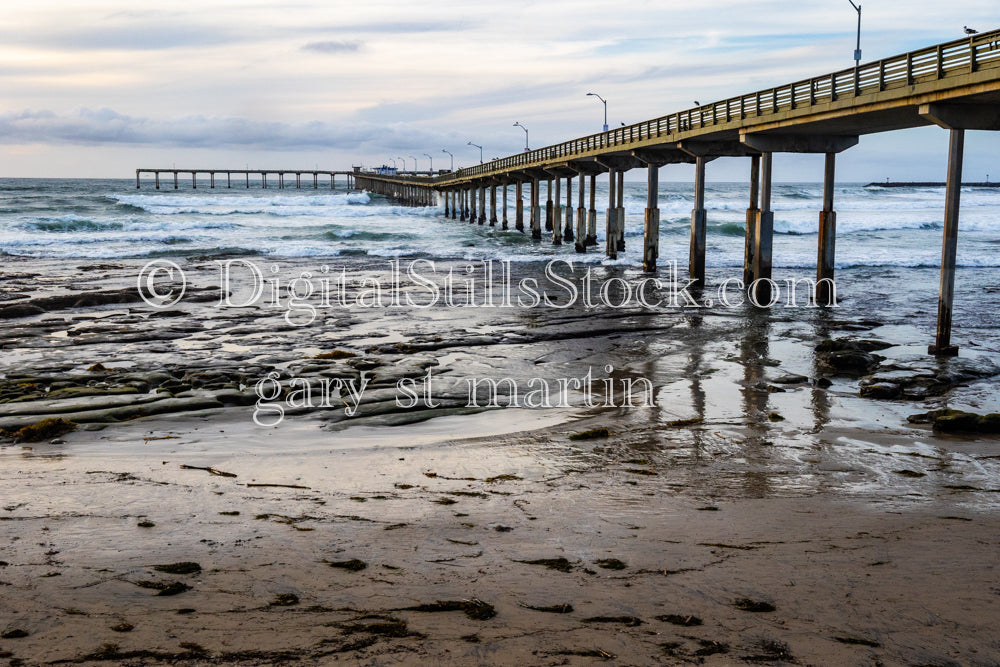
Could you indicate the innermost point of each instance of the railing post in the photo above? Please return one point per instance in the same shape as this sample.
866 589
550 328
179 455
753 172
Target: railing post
940 62
833 87
791 98
973 65
881 75
909 69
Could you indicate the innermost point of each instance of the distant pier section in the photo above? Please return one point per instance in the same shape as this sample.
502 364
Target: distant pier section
260 175
896 184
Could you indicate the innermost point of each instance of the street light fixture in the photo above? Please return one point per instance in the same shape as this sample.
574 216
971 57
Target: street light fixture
452 158
606 106
394 165
857 51
526 149
432 162
403 160
480 151
414 163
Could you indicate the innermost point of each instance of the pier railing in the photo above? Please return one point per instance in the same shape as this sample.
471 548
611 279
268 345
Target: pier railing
952 59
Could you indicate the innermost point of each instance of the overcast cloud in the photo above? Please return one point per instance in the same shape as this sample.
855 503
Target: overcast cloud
347 83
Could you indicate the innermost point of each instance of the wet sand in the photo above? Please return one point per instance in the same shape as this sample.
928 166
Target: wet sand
762 511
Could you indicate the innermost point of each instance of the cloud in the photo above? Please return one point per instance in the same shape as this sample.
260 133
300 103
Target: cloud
131 36
333 47
104 127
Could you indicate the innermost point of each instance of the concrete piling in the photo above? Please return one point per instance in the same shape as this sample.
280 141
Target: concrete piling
826 252
942 346
568 231
611 224
751 220
536 210
557 215
519 209
591 239
696 259
493 205
620 211
548 205
763 236
651 226
482 204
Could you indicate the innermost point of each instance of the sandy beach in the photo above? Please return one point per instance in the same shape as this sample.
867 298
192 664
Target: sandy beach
760 512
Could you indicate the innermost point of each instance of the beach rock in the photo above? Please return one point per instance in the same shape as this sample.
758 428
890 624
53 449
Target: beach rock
791 378
881 390
948 420
850 357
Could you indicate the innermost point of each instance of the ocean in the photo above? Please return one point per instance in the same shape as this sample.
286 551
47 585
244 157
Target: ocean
107 219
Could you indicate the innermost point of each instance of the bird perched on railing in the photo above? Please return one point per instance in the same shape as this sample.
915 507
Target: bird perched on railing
969 31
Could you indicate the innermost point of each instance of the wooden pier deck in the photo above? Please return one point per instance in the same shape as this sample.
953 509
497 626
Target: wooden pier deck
954 85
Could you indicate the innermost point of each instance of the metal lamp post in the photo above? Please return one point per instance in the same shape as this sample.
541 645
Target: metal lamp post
432 161
526 149
857 50
452 158
606 106
480 151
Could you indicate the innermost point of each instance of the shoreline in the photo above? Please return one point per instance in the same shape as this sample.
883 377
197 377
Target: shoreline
767 473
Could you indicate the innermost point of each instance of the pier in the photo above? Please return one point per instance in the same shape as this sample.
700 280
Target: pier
954 85
260 175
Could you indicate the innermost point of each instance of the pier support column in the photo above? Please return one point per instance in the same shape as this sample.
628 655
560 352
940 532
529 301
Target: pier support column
651 227
611 224
557 216
591 239
248 180
315 181
136 179
763 236
211 180
548 205
581 218
447 204
472 205
454 204
568 231
157 176
482 204
493 205
536 210
620 210
752 212
229 181
826 293
461 196
263 181
518 208
696 258
194 181
942 346
175 180
504 206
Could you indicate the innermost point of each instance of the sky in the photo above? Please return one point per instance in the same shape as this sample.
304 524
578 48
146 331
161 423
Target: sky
98 88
